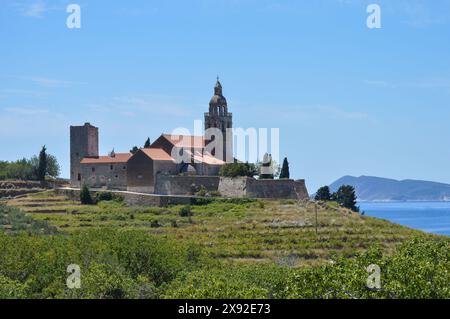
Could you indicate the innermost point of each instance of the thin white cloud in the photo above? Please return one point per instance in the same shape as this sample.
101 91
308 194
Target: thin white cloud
21 92
340 113
50 83
132 106
436 83
31 8
26 110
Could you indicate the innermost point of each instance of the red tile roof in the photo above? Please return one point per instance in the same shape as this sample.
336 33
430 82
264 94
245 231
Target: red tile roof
157 154
206 158
118 158
185 141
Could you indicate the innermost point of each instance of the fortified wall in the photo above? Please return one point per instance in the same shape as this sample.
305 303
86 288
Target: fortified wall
232 187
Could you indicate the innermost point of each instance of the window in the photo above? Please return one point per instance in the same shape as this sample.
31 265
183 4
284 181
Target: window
93 169
124 167
111 167
79 177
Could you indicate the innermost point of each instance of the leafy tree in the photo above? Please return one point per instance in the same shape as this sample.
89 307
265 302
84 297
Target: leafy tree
346 197
238 169
285 169
134 150
20 169
323 194
85 196
42 166
52 169
147 143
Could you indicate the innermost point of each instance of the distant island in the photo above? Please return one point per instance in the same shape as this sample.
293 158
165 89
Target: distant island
369 188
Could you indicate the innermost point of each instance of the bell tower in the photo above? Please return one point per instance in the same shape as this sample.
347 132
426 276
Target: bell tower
219 118
83 143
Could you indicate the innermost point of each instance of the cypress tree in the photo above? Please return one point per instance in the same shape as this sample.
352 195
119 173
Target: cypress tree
147 143
285 169
42 166
85 196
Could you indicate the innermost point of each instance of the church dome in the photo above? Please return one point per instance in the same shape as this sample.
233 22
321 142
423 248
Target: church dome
218 100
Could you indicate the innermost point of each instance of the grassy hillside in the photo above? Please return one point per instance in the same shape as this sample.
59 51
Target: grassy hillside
243 230
221 249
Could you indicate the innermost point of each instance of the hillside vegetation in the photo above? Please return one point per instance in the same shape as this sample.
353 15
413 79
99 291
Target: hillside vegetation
217 249
242 230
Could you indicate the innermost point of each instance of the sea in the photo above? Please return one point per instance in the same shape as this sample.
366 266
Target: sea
431 217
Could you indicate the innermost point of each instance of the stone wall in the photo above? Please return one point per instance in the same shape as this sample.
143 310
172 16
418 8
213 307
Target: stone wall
277 188
232 187
108 176
184 185
133 199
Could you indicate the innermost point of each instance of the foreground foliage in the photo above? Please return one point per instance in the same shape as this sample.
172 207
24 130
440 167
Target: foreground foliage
133 264
216 248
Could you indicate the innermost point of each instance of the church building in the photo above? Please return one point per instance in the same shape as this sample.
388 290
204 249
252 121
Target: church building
169 154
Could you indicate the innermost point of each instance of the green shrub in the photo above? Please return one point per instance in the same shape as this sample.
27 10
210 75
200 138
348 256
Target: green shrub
229 282
107 197
238 169
11 289
113 263
418 269
14 220
185 211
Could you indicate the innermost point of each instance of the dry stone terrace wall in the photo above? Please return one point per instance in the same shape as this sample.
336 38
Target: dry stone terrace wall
14 188
133 199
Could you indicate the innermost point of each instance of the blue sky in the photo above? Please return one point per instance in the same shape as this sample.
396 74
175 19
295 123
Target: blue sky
347 99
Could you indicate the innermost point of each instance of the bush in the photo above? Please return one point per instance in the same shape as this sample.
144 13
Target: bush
185 211
11 289
229 282
113 264
17 221
204 192
108 197
238 169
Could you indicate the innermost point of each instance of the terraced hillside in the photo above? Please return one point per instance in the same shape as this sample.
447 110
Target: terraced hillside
242 231
9 189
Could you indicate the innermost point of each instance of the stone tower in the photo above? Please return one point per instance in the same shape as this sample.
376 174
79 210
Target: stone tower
218 117
83 143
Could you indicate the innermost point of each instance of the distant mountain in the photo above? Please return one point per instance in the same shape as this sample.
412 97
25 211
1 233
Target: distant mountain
370 188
